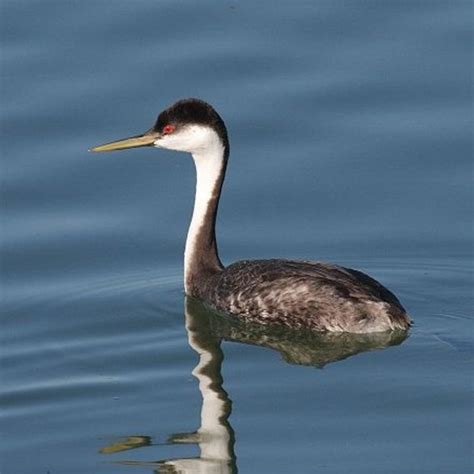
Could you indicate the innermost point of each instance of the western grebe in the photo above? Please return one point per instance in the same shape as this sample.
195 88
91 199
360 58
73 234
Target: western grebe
299 294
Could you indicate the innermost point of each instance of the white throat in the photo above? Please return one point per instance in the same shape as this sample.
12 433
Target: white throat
209 161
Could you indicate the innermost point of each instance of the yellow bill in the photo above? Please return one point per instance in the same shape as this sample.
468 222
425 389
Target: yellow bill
148 139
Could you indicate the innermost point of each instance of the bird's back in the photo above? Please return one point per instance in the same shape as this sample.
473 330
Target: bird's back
303 294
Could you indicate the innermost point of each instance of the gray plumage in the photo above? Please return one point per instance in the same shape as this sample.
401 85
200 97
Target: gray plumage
297 294
302 294
296 346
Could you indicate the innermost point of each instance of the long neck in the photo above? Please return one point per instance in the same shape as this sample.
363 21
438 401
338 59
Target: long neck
200 257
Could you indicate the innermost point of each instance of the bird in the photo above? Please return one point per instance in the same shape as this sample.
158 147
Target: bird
299 294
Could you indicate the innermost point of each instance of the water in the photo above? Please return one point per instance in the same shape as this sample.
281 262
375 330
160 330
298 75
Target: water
350 127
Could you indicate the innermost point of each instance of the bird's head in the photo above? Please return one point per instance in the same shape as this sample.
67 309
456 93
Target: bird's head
189 125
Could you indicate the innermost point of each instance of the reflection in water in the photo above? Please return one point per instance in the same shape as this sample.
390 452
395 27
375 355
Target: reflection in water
130 442
206 330
299 347
215 437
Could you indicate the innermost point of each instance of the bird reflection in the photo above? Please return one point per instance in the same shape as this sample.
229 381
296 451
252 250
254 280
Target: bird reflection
206 330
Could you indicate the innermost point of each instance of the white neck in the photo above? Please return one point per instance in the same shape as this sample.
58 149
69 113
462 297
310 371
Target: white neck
215 437
215 433
209 162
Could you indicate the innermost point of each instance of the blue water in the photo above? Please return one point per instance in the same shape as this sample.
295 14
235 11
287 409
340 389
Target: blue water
351 141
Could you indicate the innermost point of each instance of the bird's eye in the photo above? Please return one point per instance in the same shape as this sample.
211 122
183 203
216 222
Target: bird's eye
167 129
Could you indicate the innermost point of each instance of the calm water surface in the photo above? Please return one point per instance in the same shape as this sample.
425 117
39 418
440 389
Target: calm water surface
350 127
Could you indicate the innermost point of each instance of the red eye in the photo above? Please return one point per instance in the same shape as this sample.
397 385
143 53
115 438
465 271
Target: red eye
167 129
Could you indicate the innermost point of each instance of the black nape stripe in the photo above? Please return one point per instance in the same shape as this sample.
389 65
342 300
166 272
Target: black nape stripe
296 294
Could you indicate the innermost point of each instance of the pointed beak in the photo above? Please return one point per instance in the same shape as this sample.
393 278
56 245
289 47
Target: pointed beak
147 139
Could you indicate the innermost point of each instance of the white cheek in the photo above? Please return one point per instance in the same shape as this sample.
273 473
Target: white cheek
192 138
165 142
